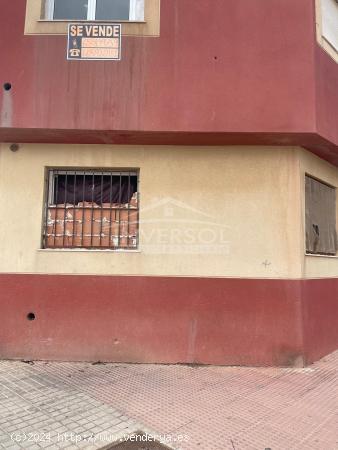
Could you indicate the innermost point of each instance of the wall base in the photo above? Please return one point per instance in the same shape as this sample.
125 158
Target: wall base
167 319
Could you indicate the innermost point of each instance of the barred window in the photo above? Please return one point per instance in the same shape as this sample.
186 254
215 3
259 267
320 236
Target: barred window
92 209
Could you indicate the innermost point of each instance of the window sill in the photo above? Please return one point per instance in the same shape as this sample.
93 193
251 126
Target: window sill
90 21
321 256
87 250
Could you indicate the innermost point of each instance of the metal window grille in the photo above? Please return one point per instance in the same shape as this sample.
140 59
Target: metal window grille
92 209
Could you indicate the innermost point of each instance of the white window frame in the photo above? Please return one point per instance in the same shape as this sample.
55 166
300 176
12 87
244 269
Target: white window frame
136 10
326 13
330 22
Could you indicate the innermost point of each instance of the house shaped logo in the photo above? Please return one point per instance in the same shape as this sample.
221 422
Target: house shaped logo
170 226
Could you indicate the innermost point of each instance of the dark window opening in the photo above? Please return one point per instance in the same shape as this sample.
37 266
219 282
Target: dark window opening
7 86
320 212
70 9
112 10
91 209
94 187
93 10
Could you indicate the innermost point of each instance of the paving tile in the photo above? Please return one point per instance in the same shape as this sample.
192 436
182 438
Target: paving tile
214 407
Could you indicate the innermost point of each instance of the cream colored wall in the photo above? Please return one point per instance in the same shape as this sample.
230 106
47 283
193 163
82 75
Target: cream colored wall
247 199
316 266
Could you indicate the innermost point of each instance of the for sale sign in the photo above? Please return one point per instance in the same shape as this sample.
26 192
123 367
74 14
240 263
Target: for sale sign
94 41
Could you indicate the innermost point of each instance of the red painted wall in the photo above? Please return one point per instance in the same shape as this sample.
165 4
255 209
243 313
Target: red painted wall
168 319
320 317
326 96
263 80
151 319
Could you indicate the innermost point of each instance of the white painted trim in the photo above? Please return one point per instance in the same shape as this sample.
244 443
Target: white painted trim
49 9
136 10
91 10
91 250
330 22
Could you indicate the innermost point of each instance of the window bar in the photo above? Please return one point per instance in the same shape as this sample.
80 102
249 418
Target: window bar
83 210
74 210
56 196
101 209
128 213
92 210
137 215
65 210
119 210
47 200
111 242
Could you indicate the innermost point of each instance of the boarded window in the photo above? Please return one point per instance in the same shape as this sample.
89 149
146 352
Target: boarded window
320 208
91 209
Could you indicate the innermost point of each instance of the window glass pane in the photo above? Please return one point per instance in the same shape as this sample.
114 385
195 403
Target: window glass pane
112 9
70 9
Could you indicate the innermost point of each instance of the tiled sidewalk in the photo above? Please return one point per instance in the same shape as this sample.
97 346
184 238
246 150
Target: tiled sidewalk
206 408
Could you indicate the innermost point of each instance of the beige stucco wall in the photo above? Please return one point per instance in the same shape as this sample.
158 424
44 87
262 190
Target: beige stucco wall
316 266
241 204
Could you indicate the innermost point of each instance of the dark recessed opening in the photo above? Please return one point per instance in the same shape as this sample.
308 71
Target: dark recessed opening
14 147
31 316
7 86
139 441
